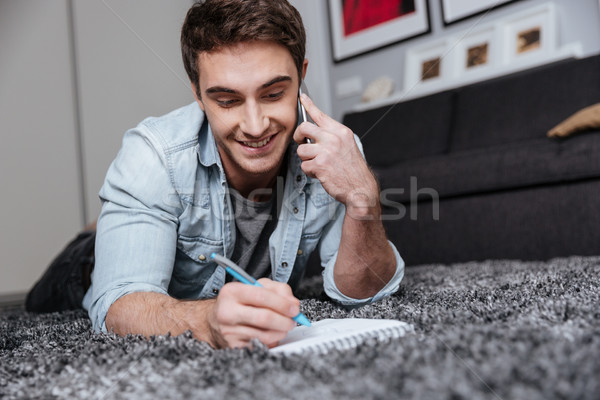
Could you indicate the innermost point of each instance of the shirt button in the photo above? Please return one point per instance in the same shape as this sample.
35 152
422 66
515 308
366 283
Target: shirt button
296 210
298 178
215 291
299 252
201 257
284 264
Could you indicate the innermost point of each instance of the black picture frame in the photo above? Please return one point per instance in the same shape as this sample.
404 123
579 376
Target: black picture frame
484 6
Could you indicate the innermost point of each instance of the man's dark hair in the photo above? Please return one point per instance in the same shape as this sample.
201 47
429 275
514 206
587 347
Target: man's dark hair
211 24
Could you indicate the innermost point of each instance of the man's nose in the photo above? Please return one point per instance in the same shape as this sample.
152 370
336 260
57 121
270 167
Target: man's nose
254 121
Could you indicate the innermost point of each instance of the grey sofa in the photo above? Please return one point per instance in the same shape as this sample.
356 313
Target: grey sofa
469 174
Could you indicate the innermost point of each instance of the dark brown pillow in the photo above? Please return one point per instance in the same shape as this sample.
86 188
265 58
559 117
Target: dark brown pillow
587 118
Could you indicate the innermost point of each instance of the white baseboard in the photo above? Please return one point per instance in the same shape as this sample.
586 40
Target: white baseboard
12 301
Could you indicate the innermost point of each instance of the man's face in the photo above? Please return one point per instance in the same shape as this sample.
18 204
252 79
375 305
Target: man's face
249 94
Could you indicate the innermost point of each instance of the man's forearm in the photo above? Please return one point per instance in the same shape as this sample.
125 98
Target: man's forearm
157 314
365 262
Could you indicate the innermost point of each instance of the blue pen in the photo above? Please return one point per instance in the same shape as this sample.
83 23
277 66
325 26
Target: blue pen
238 273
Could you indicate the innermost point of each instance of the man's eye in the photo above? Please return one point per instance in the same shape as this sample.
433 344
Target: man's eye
274 96
226 103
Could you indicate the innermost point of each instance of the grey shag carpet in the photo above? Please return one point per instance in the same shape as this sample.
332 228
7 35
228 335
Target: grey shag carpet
487 330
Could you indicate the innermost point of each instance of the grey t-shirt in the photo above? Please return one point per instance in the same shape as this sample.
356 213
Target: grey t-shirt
254 224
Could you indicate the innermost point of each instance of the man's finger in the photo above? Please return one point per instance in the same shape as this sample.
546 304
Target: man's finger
307 130
321 119
263 319
262 297
244 334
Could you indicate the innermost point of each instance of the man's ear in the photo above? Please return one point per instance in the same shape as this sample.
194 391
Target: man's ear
198 100
304 67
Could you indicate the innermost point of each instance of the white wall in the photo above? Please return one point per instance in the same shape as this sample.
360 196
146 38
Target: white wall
121 65
129 67
40 206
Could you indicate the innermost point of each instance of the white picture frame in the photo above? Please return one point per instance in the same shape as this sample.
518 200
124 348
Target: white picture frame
477 52
501 35
530 35
459 10
345 46
428 65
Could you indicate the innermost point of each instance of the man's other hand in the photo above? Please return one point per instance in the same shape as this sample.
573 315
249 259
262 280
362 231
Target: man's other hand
244 312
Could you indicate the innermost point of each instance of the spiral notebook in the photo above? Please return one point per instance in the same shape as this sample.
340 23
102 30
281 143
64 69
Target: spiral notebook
341 334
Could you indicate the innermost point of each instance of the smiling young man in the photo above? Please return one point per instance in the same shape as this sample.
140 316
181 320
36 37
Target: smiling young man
233 174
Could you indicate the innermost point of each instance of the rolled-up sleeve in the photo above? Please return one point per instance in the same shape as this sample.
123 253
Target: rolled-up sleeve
137 228
390 288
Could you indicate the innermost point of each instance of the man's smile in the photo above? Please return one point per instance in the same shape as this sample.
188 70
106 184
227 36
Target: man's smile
257 144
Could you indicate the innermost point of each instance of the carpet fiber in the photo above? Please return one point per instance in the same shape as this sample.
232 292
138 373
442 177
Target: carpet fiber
489 330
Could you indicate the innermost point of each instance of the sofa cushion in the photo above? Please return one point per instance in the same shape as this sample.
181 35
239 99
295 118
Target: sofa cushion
588 118
529 163
533 223
402 131
524 105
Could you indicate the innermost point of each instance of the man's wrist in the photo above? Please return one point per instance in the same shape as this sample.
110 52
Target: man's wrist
197 316
363 204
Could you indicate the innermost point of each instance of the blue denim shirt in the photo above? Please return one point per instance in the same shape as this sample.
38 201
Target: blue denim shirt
165 209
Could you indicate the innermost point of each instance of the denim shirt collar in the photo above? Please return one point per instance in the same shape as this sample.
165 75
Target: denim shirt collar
208 154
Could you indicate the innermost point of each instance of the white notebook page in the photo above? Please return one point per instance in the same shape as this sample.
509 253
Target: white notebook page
340 333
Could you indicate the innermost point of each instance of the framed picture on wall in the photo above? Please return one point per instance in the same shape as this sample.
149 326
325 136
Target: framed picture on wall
458 10
360 26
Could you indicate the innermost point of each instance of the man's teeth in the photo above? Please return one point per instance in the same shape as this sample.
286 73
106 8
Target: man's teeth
258 144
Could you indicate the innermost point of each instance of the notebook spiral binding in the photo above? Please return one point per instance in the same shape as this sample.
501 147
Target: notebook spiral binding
346 343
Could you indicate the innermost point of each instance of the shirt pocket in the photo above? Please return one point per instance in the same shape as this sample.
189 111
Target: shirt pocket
199 222
193 265
308 244
320 198
321 210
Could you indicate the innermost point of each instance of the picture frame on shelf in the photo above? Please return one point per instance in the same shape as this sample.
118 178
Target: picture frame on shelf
427 65
523 39
458 10
358 27
477 52
531 35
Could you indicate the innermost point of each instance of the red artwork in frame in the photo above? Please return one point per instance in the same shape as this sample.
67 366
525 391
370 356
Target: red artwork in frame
360 26
365 14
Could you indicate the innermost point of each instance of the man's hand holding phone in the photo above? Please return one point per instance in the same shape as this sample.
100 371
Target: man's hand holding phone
333 157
